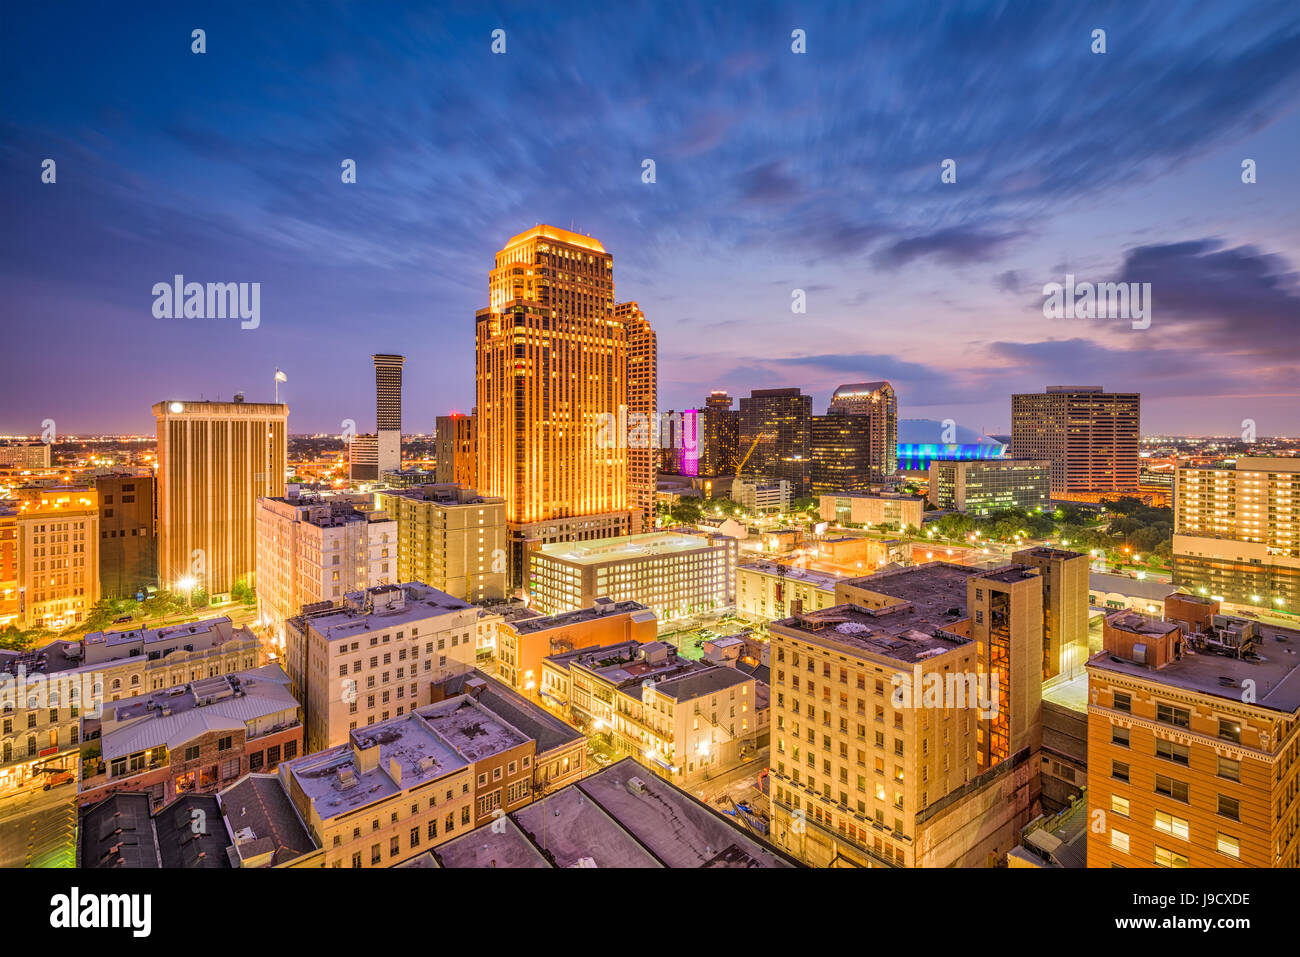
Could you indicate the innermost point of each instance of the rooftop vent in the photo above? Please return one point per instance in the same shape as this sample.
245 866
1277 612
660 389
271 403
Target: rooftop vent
636 785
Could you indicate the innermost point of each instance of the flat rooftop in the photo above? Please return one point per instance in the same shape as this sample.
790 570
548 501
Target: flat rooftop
529 626
897 633
1130 587
391 606
537 723
1275 671
812 577
936 588
601 821
334 784
624 548
706 681
471 729
1134 623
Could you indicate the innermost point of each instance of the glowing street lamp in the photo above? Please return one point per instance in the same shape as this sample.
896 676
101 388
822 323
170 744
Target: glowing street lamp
186 585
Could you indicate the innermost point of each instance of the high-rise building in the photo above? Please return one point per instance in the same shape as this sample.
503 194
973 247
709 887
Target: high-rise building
869 771
841 453
1089 436
678 442
642 401
388 410
454 448
450 537
551 372
58 556
878 402
1002 610
990 485
128 542
1237 531
1185 767
215 460
720 435
780 420
317 548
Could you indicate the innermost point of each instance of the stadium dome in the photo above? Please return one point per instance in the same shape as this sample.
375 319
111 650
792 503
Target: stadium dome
921 440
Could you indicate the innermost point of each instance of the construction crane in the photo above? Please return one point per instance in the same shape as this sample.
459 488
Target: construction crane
759 438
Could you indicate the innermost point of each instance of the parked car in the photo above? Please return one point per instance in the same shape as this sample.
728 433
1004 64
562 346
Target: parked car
55 778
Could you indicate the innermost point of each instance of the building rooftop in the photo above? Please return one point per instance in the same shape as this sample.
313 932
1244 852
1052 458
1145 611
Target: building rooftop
703 682
384 607
262 820
542 231
1130 587
448 494
537 723
172 717
178 843
624 548
1273 670
100 647
472 729
897 632
1141 624
812 577
623 816
410 754
118 832
934 588
602 608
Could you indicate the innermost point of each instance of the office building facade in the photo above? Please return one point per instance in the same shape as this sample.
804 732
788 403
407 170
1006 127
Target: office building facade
879 403
451 538
1089 436
990 486
1237 532
551 372
215 460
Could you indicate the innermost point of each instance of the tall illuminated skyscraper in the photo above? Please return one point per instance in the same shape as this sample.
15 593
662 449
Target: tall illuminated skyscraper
642 389
878 401
215 460
388 410
551 369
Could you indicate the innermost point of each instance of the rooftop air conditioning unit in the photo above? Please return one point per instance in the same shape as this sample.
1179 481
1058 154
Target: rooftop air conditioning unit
636 785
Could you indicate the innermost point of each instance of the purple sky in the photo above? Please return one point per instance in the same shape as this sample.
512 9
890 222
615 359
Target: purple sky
775 171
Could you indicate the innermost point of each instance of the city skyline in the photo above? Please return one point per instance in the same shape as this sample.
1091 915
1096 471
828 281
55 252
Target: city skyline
776 173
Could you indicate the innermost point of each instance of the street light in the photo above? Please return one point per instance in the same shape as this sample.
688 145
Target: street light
186 585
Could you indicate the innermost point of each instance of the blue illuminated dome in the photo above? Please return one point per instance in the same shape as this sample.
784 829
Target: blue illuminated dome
921 440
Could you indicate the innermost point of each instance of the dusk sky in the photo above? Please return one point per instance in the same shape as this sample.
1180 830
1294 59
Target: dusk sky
774 171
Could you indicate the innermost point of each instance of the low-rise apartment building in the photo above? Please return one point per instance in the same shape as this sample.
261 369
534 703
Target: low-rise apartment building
376 657
45 692
194 738
525 642
683 718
